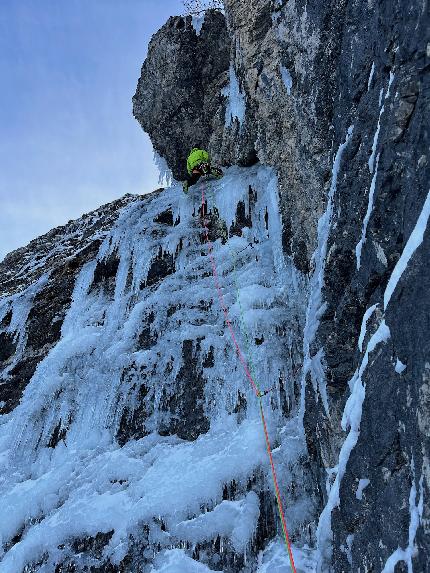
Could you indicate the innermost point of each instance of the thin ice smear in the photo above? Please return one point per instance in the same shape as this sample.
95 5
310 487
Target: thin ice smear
236 104
371 161
366 220
315 306
362 484
287 79
350 421
416 507
414 241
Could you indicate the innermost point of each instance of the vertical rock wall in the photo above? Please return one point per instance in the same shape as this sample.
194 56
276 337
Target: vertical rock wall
307 72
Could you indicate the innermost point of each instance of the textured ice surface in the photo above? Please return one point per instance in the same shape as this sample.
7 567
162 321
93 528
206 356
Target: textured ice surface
88 483
165 176
275 559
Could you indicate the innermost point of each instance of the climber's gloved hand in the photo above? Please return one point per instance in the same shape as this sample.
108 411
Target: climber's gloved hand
185 187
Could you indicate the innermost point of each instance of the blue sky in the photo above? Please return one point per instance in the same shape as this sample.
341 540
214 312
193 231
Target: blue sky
68 140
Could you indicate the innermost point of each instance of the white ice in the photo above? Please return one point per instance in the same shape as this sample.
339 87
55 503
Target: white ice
197 22
414 241
236 103
165 176
416 507
275 559
88 483
286 78
362 484
399 367
316 306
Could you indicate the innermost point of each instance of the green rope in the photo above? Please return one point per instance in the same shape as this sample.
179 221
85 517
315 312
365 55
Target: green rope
248 355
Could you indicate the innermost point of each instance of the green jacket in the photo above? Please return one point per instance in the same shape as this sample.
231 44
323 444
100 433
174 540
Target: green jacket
196 157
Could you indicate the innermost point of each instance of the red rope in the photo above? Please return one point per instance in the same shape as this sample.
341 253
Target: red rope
251 379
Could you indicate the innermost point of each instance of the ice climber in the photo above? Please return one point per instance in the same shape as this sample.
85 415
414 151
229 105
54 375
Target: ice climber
199 164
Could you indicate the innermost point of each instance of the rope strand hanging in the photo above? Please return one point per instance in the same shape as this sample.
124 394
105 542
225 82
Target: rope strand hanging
250 377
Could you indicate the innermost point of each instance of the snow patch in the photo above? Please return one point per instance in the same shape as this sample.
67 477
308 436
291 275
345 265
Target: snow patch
362 484
363 328
274 559
372 71
177 561
416 513
236 520
399 367
286 78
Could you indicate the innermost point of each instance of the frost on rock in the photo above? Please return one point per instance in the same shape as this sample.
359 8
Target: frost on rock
140 416
236 105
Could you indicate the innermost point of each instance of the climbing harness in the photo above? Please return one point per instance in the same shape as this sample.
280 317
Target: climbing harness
248 374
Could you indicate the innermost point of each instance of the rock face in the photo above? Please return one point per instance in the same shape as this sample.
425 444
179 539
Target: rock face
130 437
306 73
276 63
137 415
179 93
380 197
